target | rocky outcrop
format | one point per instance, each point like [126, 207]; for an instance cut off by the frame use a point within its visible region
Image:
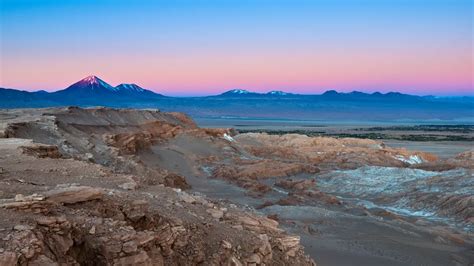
[117, 232]
[74, 194]
[41, 203]
[326, 152]
[185, 120]
[464, 159]
[145, 136]
[248, 173]
[108, 218]
[42, 151]
[110, 137]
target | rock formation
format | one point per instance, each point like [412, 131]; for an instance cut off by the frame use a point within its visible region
[81, 195]
[107, 186]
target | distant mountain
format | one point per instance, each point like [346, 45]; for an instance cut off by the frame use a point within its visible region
[331, 105]
[279, 93]
[93, 87]
[130, 88]
[90, 86]
[86, 92]
[238, 93]
[330, 95]
[135, 90]
[94, 91]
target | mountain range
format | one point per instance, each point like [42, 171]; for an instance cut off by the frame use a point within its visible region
[331, 105]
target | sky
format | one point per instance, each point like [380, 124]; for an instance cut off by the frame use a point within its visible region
[203, 47]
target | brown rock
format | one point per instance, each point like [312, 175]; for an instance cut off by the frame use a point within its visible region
[42, 151]
[29, 206]
[176, 181]
[59, 244]
[144, 238]
[129, 247]
[136, 210]
[247, 220]
[28, 252]
[184, 119]
[265, 249]
[74, 194]
[262, 169]
[46, 220]
[23, 227]
[289, 244]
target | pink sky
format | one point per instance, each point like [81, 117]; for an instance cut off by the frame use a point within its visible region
[206, 74]
[207, 47]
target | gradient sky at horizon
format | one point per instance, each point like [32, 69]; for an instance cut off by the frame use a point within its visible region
[202, 47]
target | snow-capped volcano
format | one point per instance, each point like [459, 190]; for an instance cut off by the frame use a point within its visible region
[94, 87]
[93, 80]
[87, 87]
[93, 83]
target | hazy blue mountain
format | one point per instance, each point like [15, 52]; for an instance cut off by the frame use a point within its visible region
[331, 105]
[135, 91]
[10, 98]
[238, 93]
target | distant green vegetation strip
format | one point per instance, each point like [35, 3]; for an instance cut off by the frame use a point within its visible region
[409, 137]
[431, 128]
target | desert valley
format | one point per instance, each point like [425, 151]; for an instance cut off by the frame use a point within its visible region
[236, 133]
[128, 187]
